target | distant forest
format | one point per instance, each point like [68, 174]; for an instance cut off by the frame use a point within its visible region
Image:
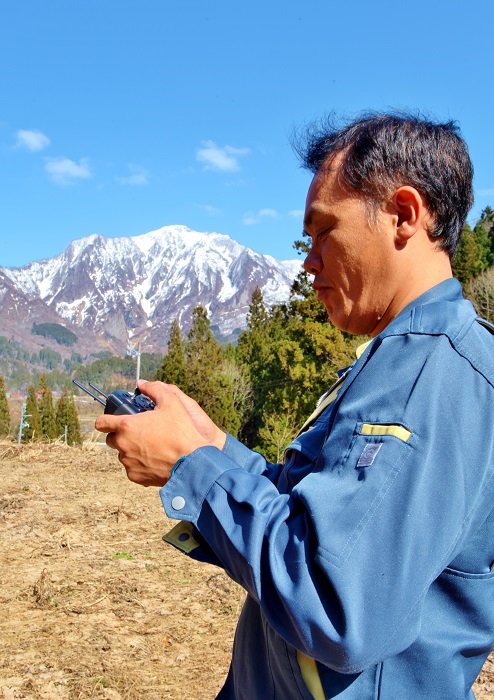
[262, 388]
[59, 333]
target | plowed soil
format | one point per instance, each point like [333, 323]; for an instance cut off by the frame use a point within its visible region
[93, 603]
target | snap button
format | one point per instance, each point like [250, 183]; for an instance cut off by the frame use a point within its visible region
[178, 503]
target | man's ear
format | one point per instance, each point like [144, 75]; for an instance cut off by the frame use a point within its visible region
[410, 212]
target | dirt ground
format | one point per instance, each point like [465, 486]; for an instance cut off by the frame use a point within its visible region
[93, 604]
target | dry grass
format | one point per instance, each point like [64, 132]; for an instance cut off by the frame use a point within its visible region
[93, 604]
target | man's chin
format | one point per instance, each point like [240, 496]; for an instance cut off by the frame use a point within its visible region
[337, 322]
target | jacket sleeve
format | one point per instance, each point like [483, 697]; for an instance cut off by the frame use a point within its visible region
[250, 460]
[341, 550]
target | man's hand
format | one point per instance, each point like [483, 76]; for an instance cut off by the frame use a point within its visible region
[150, 443]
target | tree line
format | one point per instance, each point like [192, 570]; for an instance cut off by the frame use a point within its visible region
[42, 419]
[473, 264]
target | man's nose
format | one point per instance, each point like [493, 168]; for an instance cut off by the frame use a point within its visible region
[312, 263]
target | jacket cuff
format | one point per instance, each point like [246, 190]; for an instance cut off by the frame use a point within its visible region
[183, 495]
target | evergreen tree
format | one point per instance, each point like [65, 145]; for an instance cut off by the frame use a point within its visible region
[203, 357]
[46, 410]
[486, 223]
[292, 355]
[253, 353]
[67, 417]
[276, 433]
[4, 410]
[172, 370]
[62, 414]
[475, 252]
[205, 380]
[32, 431]
[241, 386]
[258, 315]
[481, 235]
[302, 363]
[467, 262]
[223, 411]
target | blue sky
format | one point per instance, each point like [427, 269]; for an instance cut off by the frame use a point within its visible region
[120, 117]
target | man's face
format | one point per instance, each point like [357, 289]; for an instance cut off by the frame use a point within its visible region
[351, 260]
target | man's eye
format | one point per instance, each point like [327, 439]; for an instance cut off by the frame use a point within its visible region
[321, 235]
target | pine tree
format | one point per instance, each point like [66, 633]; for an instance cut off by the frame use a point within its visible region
[32, 431]
[67, 418]
[4, 410]
[172, 370]
[46, 410]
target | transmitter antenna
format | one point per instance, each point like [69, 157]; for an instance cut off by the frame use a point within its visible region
[91, 393]
[100, 391]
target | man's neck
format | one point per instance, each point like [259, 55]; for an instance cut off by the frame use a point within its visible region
[426, 272]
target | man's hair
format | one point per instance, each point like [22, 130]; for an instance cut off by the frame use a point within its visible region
[382, 152]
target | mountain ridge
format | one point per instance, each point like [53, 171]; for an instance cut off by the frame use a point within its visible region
[113, 290]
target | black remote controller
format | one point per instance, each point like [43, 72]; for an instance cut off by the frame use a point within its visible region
[119, 402]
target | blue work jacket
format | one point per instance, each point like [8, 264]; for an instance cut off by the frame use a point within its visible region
[367, 555]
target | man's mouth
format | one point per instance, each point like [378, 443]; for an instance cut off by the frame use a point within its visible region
[320, 289]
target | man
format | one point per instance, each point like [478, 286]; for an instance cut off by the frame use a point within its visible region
[367, 555]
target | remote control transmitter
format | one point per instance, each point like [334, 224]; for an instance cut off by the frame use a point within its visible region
[118, 402]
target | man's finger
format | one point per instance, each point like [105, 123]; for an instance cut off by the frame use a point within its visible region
[156, 391]
[161, 388]
[107, 423]
[110, 441]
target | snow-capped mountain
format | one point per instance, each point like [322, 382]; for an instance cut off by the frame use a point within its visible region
[110, 290]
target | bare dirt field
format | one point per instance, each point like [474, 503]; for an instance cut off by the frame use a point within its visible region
[93, 603]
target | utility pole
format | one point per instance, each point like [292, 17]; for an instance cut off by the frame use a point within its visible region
[23, 424]
[137, 354]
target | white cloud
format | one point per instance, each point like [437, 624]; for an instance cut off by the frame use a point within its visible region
[251, 218]
[296, 213]
[216, 158]
[64, 171]
[33, 140]
[139, 176]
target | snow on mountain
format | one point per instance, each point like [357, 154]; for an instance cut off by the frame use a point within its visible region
[111, 289]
